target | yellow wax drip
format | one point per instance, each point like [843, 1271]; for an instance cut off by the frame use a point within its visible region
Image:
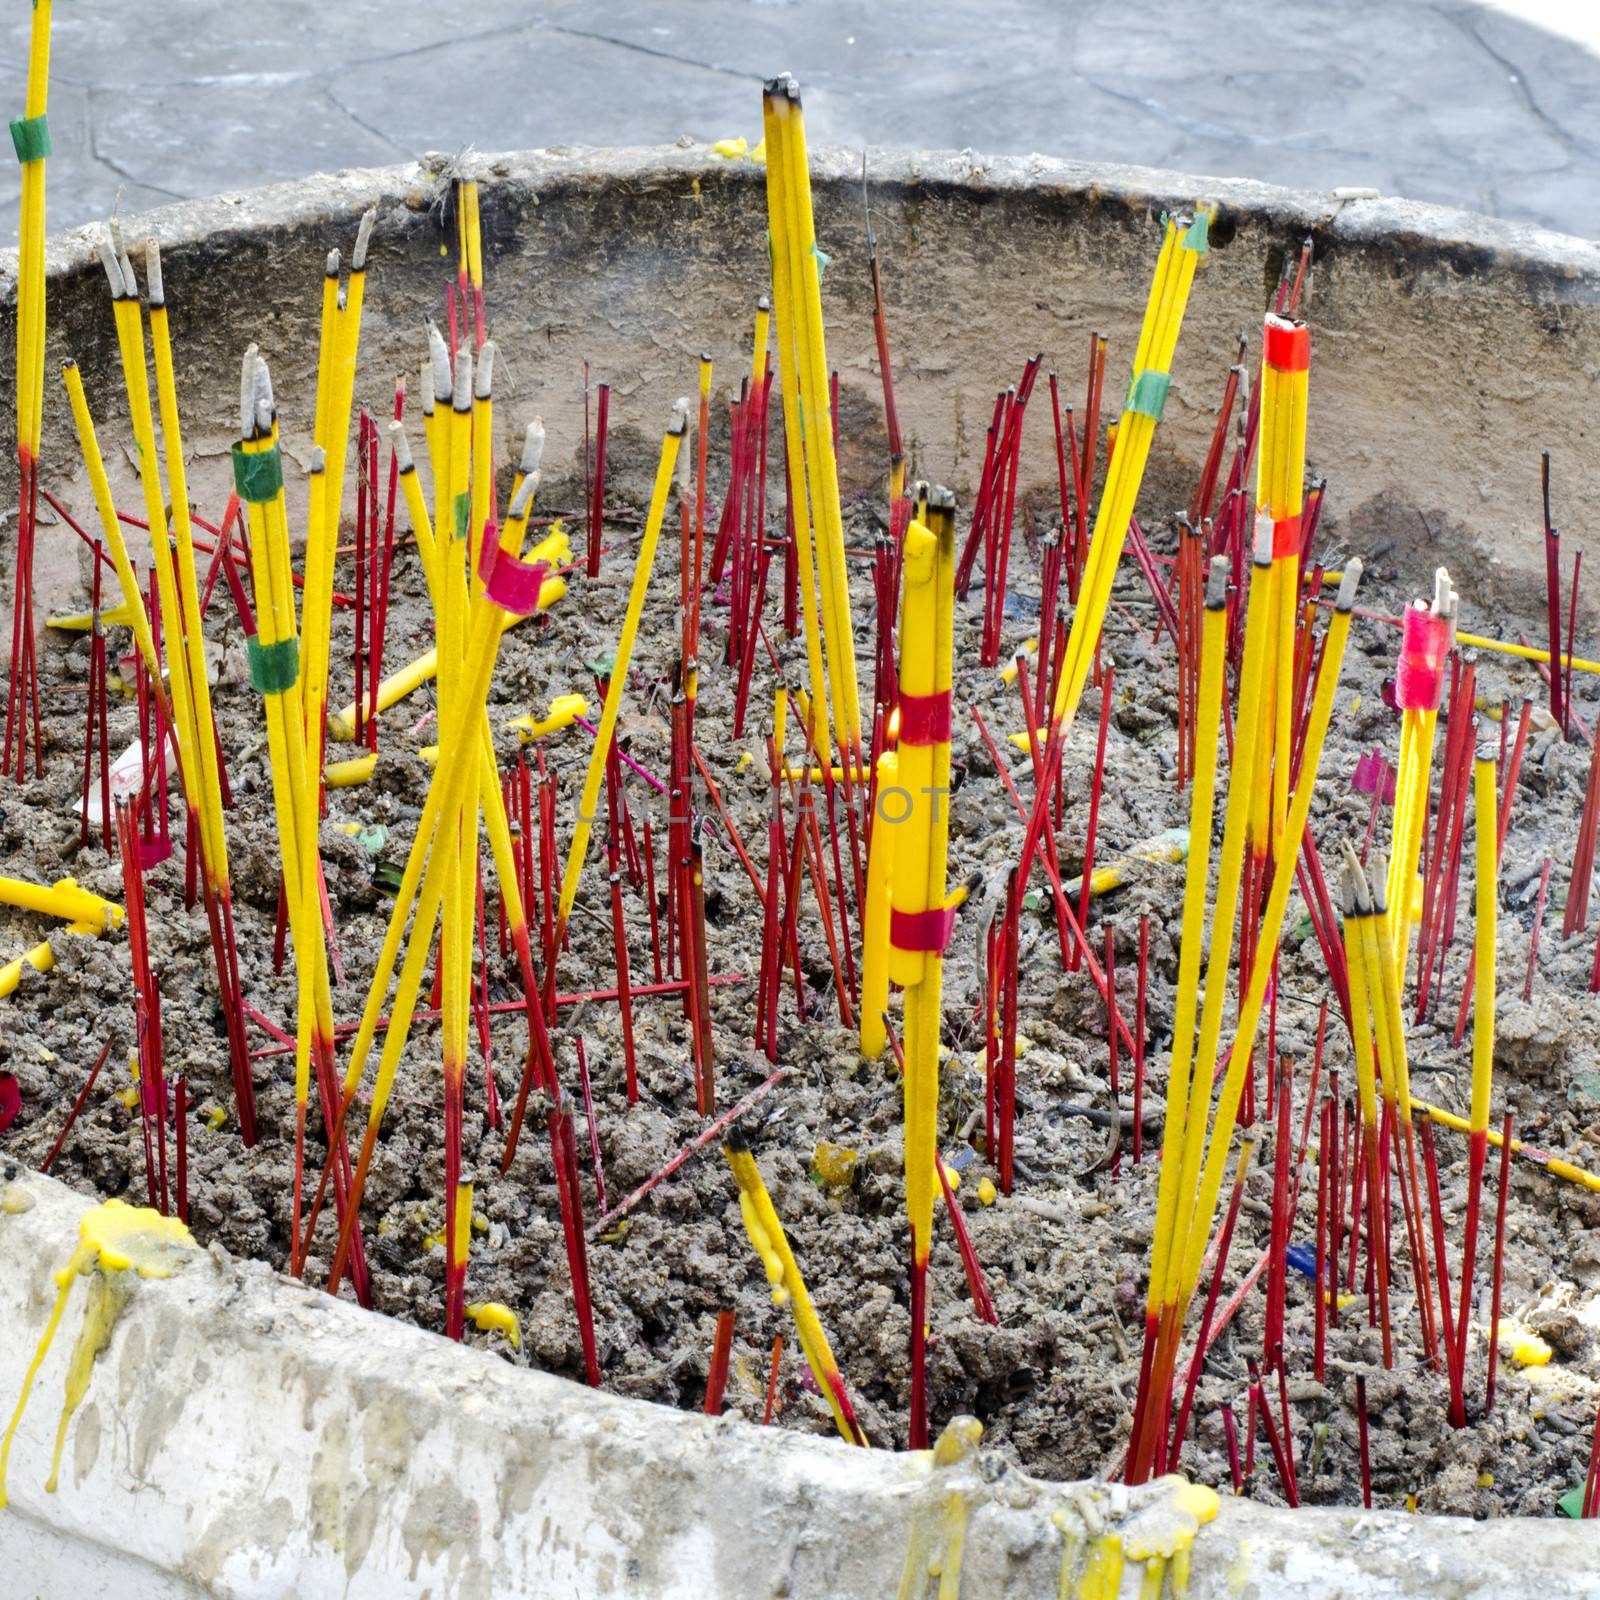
[491, 1316]
[114, 1238]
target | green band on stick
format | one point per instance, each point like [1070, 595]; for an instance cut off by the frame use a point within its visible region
[31, 136]
[257, 475]
[274, 667]
[1147, 394]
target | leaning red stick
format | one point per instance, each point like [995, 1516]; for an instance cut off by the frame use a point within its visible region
[77, 1106]
[1085, 892]
[1538, 923]
[705, 1136]
[976, 1286]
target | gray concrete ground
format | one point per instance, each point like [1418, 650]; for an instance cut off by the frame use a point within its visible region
[1445, 101]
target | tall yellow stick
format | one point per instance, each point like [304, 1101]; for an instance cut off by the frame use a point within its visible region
[919, 924]
[619, 669]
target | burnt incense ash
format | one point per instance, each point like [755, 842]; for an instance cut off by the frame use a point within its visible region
[1132, 1082]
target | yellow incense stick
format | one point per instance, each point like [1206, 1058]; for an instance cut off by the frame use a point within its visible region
[875, 919]
[1202, 803]
[1247, 732]
[918, 922]
[209, 779]
[130, 342]
[1419, 684]
[1270, 927]
[806, 263]
[274, 671]
[784, 294]
[127, 579]
[31, 137]
[1487, 899]
[1182, 247]
[788, 1287]
[419, 856]
[1286, 356]
[442, 818]
[1551, 1164]
[670, 442]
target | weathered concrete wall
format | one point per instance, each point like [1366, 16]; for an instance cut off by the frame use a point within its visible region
[1449, 348]
[243, 1435]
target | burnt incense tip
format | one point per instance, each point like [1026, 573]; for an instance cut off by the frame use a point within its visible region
[1441, 591]
[940, 498]
[247, 392]
[438, 363]
[152, 273]
[358, 256]
[485, 383]
[264, 395]
[319, 461]
[401, 446]
[1379, 879]
[522, 500]
[330, 267]
[1261, 551]
[1356, 880]
[733, 1139]
[461, 389]
[1346, 599]
[679, 423]
[532, 447]
[113, 268]
[763, 304]
[1217, 584]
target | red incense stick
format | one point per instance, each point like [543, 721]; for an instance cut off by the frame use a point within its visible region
[1366, 1449]
[1138, 1036]
[77, 1106]
[181, 1122]
[1502, 1191]
[1538, 923]
[772, 1381]
[717, 1378]
[594, 1135]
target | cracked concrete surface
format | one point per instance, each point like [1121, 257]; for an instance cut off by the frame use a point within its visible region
[1449, 101]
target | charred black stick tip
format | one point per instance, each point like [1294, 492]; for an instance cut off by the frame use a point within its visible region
[734, 1140]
